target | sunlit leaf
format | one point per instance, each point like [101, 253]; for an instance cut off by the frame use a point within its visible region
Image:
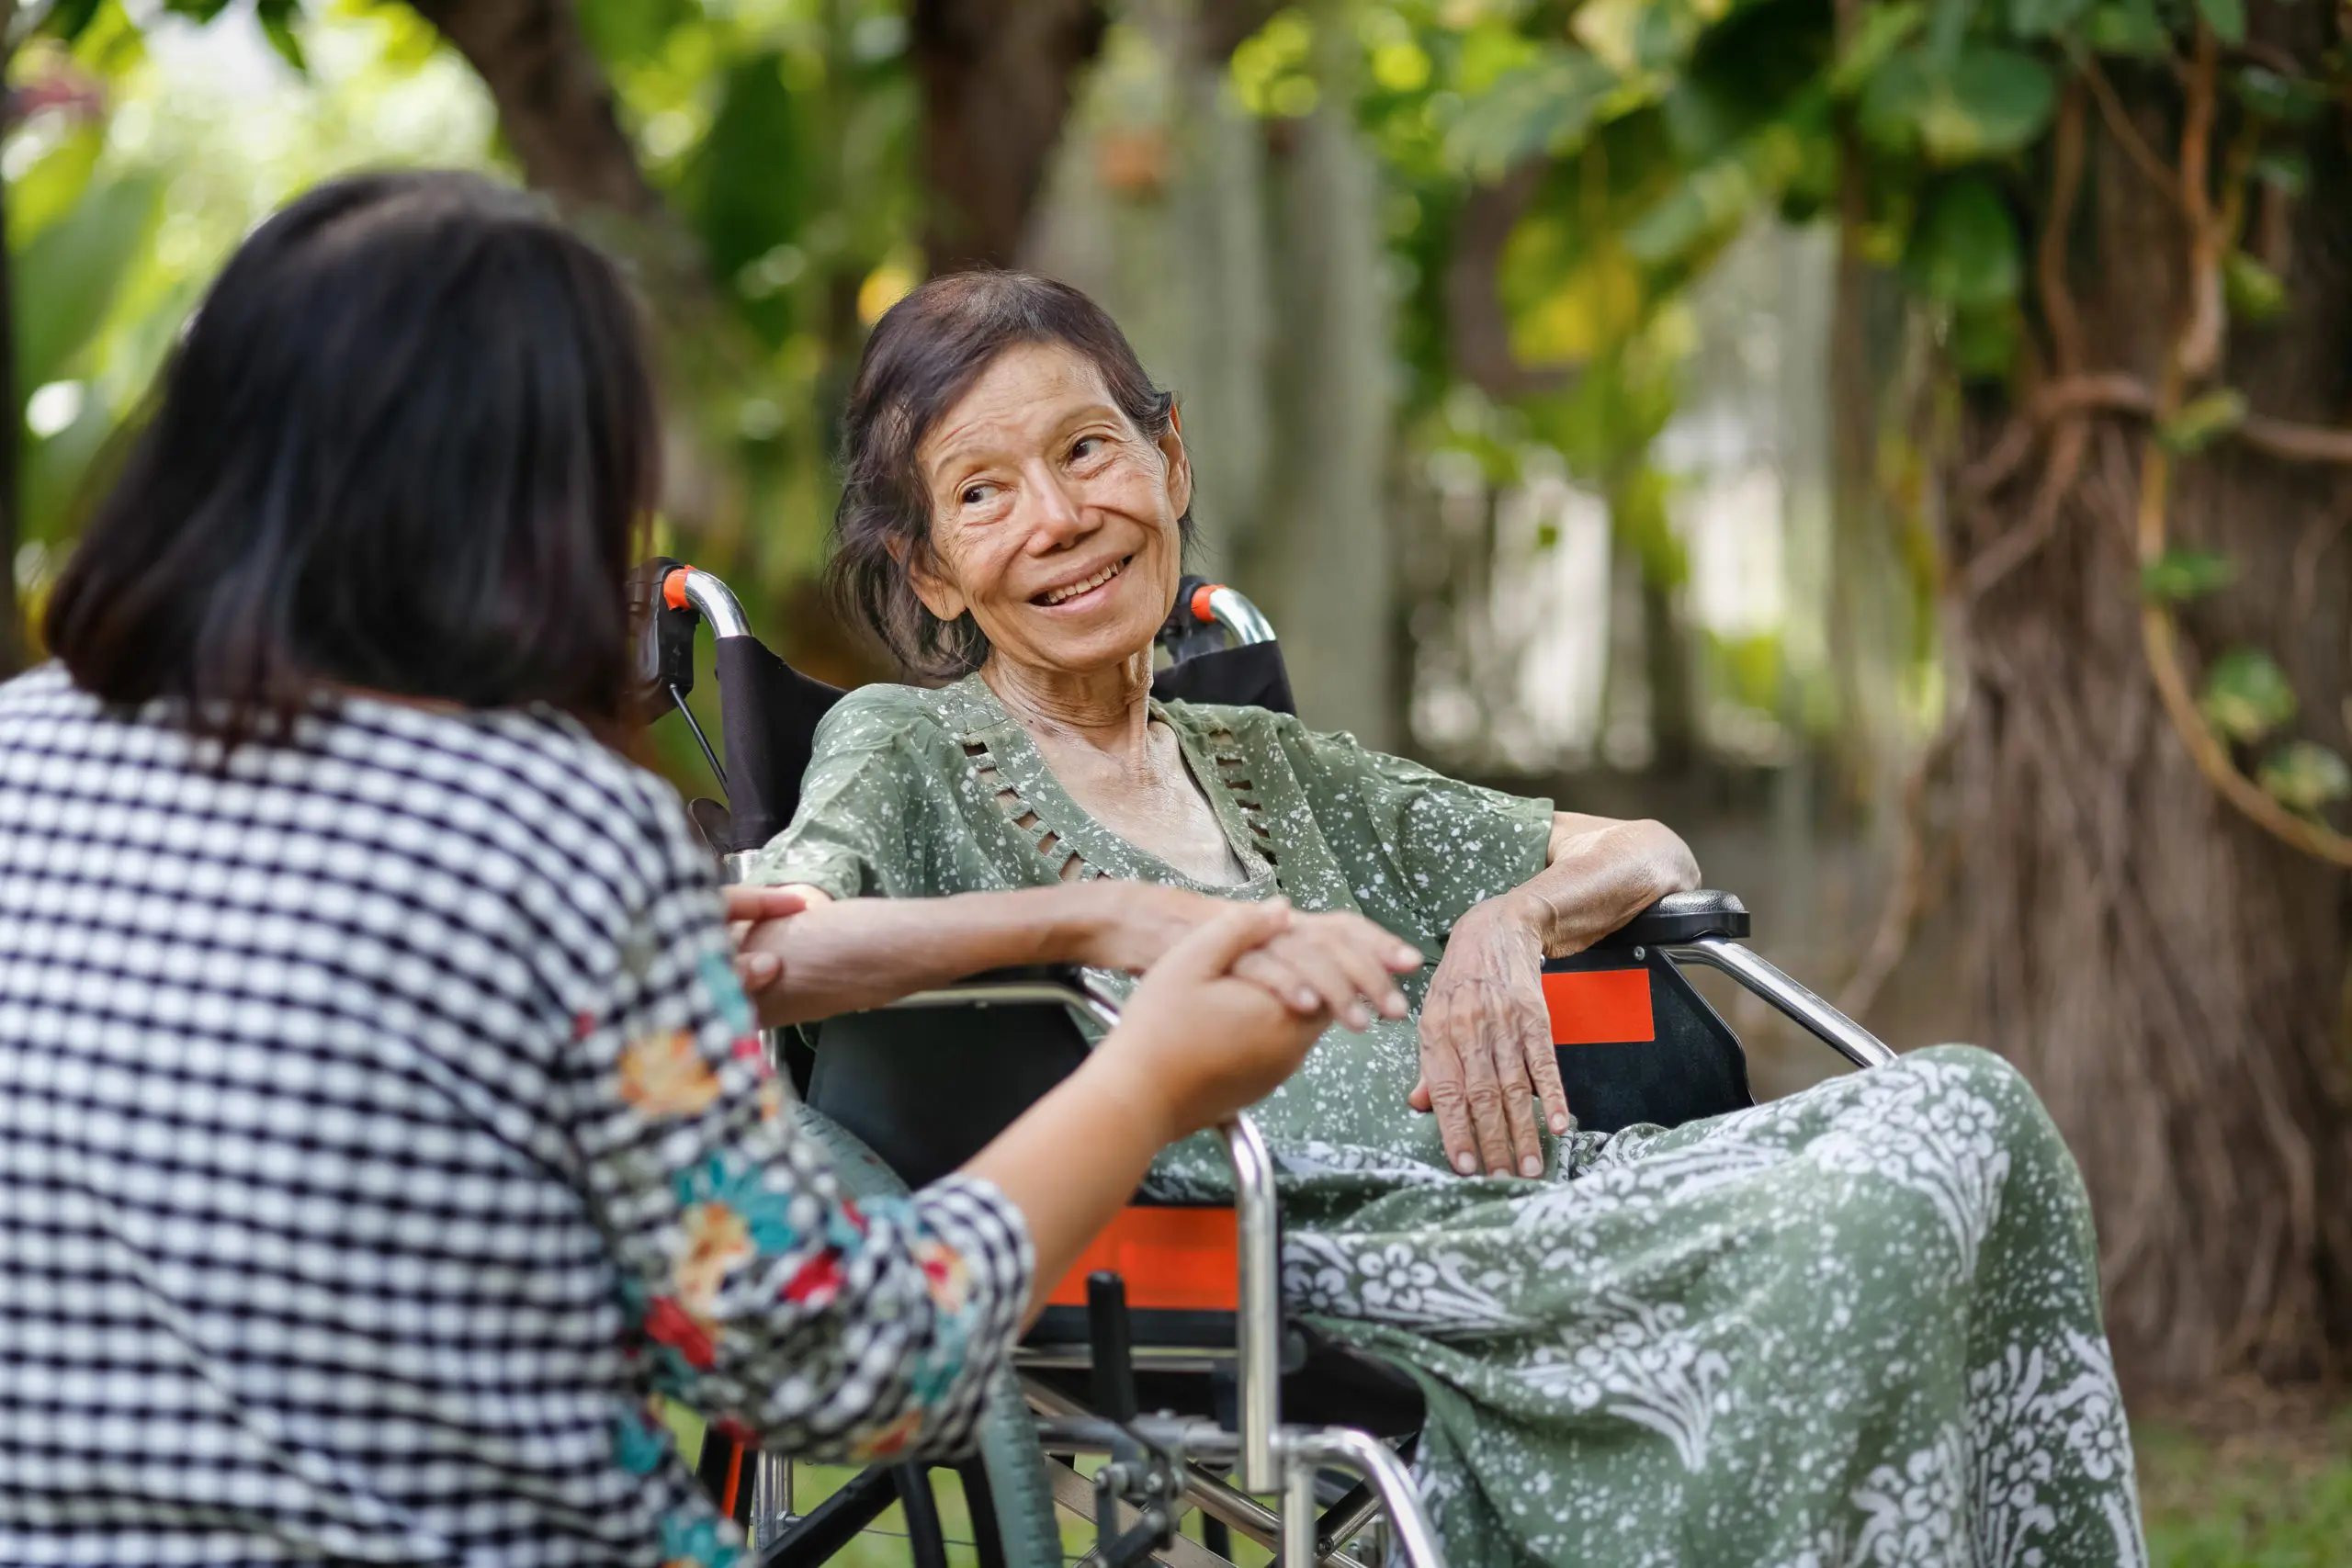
[2226, 17]
[1547, 107]
[1881, 31]
[2203, 419]
[49, 189]
[67, 19]
[2305, 776]
[2246, 696]
[2255, 292]
[277, 18]
[1964, 251]
[2180, 575]
[66, 278]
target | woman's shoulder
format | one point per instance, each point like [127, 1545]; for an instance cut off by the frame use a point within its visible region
[1244, 723]
[885, 716]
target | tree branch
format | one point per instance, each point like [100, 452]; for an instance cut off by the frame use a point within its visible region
[996, 78]
[1479, 328]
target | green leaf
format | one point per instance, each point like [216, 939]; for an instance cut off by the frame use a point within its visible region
[2284, 170]
[1548, 106]
[2246, 696]
[1984, 342]
[1964, 251]
[2039, 19]
[2202, 419]
[66, 278]
[1882, 30]
[2255, 292]
[1988, 103]
[2178, 576]
[2130, 27]
[50, 187]
[2226, 17]
[2288, 100]
[2305, 776]
[68, 19]
[277, 18]
[202, 11]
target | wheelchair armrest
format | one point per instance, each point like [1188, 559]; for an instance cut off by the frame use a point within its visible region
[1682, 917]
[1021, 985]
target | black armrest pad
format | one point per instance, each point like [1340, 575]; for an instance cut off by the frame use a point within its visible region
[1682, 917]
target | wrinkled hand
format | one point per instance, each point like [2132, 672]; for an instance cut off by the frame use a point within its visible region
[1487, 1059]
[747, 906]
[1337, 966]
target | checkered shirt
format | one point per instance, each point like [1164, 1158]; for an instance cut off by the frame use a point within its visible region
[380, 1127]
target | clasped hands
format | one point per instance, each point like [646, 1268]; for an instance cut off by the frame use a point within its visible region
[1487, 1066]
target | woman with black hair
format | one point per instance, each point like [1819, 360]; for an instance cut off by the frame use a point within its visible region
[381, 1123]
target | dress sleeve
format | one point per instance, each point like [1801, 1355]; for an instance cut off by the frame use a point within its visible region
[1449, 844]
[757, 1292]
[872, 815]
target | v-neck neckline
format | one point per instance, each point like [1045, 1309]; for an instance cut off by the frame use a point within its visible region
[1021, 764]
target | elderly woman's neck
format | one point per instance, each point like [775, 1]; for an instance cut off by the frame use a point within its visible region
[1110, 708]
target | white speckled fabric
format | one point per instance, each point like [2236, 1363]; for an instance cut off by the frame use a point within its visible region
[1858, 1325]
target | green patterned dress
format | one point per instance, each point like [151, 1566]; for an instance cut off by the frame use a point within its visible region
[1857, 1325]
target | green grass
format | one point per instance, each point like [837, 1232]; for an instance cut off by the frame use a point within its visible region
[2282, 1499]
[2247, 1501]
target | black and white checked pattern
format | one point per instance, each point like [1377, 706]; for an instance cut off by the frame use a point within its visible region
[324, 1223]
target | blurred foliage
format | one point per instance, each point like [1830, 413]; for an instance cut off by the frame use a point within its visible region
[1646, 134]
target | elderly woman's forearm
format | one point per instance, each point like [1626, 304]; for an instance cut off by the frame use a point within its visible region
[1600, 874]
[861, 952]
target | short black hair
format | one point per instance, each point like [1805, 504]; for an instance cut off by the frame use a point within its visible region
[925, 353]
[406, 444]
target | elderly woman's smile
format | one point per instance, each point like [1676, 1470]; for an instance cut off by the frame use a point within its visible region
[1080, 592]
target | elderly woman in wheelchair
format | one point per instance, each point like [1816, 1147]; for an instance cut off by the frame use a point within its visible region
[1858, 1325]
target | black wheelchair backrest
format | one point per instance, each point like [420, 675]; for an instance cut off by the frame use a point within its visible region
[769, 711]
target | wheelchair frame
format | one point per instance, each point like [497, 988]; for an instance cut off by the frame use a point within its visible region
[1184, 1456]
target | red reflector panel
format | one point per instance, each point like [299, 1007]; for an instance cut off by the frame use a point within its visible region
[1599, 1007]
[1174, 1260]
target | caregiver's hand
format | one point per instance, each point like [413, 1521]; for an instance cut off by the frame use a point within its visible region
[1339, 965]
[747, 906]
[1487, 1060]
[1200, 1041]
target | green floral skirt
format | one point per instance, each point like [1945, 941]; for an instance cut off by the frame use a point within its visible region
[1858, 1325]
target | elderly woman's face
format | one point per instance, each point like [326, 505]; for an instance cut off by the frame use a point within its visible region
[1054, 520]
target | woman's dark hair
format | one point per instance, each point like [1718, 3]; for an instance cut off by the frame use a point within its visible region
[405, 444]
[926, 353]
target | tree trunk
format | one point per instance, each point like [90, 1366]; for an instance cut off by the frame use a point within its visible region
[997, 77]
[2171, 977]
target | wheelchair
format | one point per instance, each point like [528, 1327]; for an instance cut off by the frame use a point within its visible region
[1166, 1351]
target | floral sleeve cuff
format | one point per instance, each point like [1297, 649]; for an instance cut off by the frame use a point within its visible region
[979, 1265]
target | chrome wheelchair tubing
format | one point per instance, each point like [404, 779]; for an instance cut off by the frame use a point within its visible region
[1258, 1326]
[1344, 1447]
[1258, 1323]
[1816, 1016]
[1242, 620]
[718, 603]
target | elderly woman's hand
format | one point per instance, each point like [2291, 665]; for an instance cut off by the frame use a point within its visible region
[1337, 963]
[1487, 1059]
